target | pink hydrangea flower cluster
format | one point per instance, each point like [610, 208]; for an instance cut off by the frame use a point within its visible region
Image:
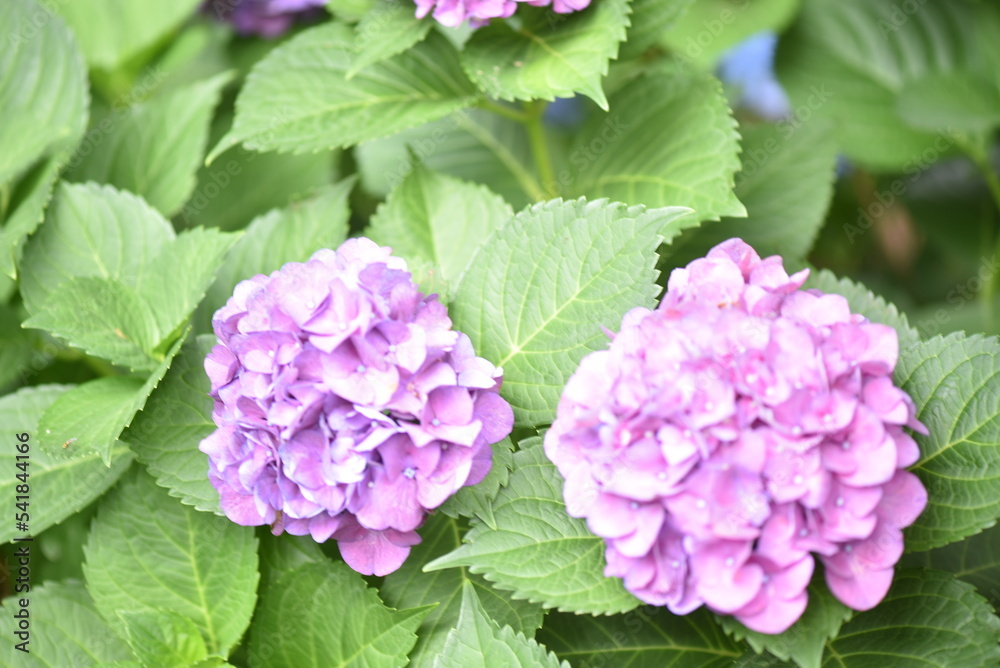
[742, 427]
[346, 406]
[453, 13]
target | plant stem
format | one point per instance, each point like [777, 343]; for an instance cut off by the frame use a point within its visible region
[502, 110]
[540, 147]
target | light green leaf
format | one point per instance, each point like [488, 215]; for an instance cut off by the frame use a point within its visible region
[409, 587]
[651, 21]
[25, 214]
[955, 383]
[291, 234]
[43, 88]
[547, 55]
[928, 618]
[537, 551]
[166, 433]
[477, 500]
[65, 630]
[154, 148]
[806, 639]
[59, 488]
[90, 417]
[710, 27]
[148, 552]
[647, 637]
[315, 603]
[389, 28]
[16, 349]
[849, 61]
[469, 144]
[298, 97]
[958, 101]
[438, 220]
[669, 141]
[786, 184]
[163, 639]
[540, 288]
[110, 31]
[477, 640]
[280, 555]
[60, 548]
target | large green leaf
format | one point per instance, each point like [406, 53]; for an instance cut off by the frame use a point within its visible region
[786, 184]
[163, 639]
[43, 87]
[178, 415]
[154, 148]
[291, 234]
[669, 141]
[955, 383]
[147, 552]
[975, 560]
[651, 20]
[388, 29]
[26, 211]
[470, 144]
[540, 288]
[298, 98]
[59, 488]
[438, 220]
[849, 61]
[410, 587]
[65, 630]
[648, 637]
[477, 500]
[928, 618]
[537, 551]
[323, 614]
[478, 640]
[960, 101]
[110, 31]
[547, 55]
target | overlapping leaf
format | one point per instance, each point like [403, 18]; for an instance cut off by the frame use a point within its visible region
[387, 29]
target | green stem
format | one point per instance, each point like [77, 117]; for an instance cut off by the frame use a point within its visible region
[4, 200]
[502, 110]
[540, 147]
[980, 157]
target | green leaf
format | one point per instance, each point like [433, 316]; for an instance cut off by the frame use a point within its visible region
[958, 101]
[647, 637]
[806, 639]
[669, 141]
[848, 61]
[60, 548]
[110, 31]
[537, 551]
[90, 417]
[438, 220]
[477, 500]
[540, 288]
[16, 349]
[177, 416]
[25, 214]
[710, 27]
[927, 618]
[318, 602]
[59, 488]
[43, 88]
[163, 639]
[65, 630]
[547, 55]
[975, 560]
[470, 144]
[864, 301]
[280, 555]
[786, 185]
[291, 234]
[409, 587]
[651, 20]
[298, 97]
[153, 148]
[148, 552]
[955, 383]
[477, 637]
[389, 28]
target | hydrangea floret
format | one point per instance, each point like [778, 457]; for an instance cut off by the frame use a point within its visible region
[735, 433]
[346, 405]
[453, 13]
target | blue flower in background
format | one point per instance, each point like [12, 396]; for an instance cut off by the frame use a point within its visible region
[566, 112]
[749, 66]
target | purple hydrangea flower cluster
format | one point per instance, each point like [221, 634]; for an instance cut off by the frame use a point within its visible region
[453, 13]
[346, 406]
[728, 436]
[266, 18]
